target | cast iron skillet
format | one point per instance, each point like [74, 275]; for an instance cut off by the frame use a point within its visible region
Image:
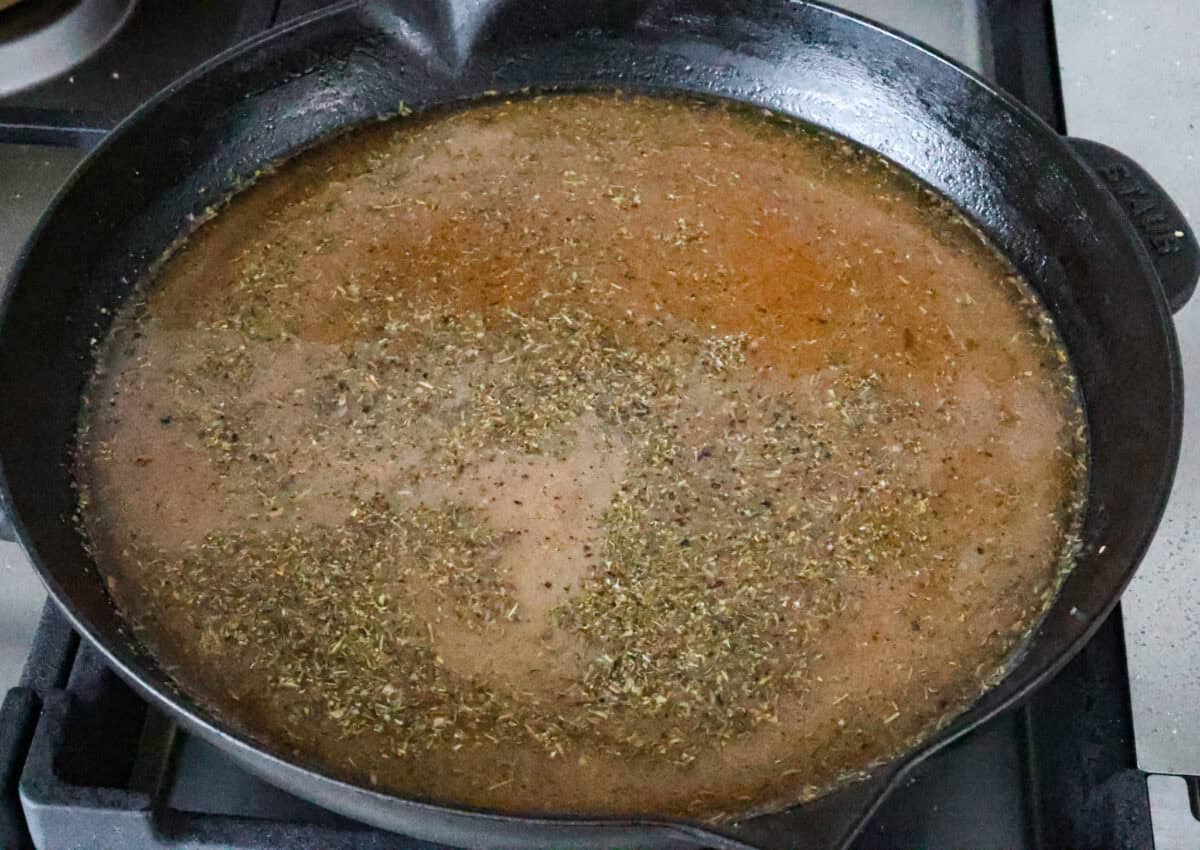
[1106, 250]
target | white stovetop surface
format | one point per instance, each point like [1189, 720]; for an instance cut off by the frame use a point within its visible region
[1131, 78]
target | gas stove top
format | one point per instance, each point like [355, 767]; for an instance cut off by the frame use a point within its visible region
[85, 763]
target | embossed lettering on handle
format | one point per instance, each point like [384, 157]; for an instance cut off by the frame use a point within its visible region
[1164, 231]
[1160, 231]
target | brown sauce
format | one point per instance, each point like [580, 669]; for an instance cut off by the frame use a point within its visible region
[587, 454]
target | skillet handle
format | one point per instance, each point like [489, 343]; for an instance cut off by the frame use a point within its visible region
[1169, 240]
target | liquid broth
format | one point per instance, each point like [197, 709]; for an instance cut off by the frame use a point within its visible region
[584, 453]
